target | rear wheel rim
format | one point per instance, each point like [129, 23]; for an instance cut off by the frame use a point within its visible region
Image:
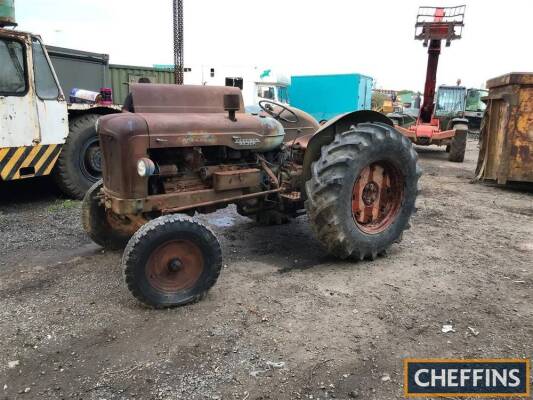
[175, 266]
[377, 196]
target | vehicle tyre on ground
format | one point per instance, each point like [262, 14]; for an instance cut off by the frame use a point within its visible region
[103, 226]
[458, 144]
[171, 261]
[362, 191]
[79, 164]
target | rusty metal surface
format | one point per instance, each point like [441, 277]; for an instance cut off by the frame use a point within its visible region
[305, 123]
[201, 121]
[176, 202]
[124, 140]
[242, 178]
[506, 148]
[164, 98]
[517, 78]
[176, 265]
[212, 129]
[425, 134]
[377, 196]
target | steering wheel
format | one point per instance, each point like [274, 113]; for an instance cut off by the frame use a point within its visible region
[266, 106]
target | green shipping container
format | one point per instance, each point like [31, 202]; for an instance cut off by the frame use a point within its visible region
[123, 75]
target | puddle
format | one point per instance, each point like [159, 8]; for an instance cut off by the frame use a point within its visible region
[222, 222]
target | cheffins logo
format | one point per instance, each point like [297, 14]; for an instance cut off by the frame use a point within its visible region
[467, 378]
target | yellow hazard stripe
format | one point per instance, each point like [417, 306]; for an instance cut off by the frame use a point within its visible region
[51, 164]
[11, 163]
[27, 161]
[43, 159]
[3, 153]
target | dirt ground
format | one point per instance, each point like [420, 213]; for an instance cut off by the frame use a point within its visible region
[285, 320]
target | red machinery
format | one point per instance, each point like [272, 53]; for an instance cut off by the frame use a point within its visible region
[433, 25]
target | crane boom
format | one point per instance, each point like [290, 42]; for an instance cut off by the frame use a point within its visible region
[433, 25]
[178, 41]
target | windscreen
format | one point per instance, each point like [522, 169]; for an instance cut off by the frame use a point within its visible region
[473, 100]
[45, 84]
[12, 68]
[450, 100]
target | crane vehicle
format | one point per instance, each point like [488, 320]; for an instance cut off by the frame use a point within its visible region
[434, 125]
[40, 133]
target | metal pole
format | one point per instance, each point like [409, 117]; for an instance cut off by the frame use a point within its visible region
[178, 41]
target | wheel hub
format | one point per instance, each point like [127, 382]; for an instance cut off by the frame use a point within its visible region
[90, 160]
[174, 266]
[370, 193]
[93, 158]
[377, 196]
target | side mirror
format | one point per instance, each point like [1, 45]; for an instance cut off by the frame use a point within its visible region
[232, 103]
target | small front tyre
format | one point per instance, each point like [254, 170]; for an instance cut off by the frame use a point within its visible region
[171, 261]
[102, 225]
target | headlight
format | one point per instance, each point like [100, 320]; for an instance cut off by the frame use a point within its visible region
[145, 167]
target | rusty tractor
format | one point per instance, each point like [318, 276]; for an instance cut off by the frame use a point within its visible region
[181, 150]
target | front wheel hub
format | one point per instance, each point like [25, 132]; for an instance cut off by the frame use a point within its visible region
[175, 265]
[377, 196]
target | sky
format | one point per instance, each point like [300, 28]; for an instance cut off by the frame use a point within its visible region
[295, 37]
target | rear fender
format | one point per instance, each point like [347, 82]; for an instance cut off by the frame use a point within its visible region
[326, 134]
[460, 124]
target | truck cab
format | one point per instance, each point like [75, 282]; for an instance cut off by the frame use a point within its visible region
[33, 110]
[475, 108]
[255, 83]
[450, 100]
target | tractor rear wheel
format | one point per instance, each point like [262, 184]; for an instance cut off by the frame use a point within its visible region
[362, 191]
[458, 144]
[171, 261]
[102, 225]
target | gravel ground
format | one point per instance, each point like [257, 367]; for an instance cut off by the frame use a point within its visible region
[285, 320]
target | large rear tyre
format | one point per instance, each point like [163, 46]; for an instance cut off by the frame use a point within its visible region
[362, 191]
[171, 261]
[79, 164]
[458, 144]
[103, 226]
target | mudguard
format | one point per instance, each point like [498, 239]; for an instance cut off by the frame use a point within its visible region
[326, 134]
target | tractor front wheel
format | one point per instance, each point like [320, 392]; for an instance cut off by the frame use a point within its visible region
[171, 261]
[363, 190]
[104, 227]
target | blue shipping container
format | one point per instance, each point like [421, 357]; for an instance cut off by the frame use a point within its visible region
[326, 96]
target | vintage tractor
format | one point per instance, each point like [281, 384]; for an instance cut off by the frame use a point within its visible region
[433, 25]
[182, 150]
